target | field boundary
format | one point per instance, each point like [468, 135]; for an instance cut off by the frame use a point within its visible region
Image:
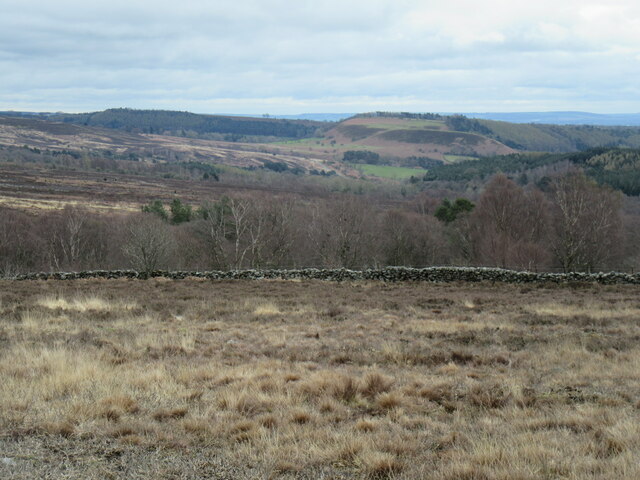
[388, 274]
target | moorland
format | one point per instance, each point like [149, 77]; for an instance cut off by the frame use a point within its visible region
[309, 379]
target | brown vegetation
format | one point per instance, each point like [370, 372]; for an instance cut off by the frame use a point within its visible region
[60, 136]
[233, 379]
[576, 226]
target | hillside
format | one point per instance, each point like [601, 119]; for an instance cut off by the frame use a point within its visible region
[392, 135]
[164, 122]
[561, 138]
[394, 146]
[46, 165]
[114, 143]
[449, 139]
[616, 167]
[562, 118]
[548, 138]
[402, 137]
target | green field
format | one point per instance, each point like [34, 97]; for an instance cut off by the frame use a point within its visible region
[386, 171]
[458, 158]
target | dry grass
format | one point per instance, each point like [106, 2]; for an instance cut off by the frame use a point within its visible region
[266, 309]
[45, 205]
[149, 379]
[590, 308]
[83, 303]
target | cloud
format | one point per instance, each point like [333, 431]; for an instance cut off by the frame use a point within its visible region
[287, 56]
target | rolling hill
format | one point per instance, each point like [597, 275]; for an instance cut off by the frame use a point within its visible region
[405, 143]
[560, 138]
[454, 138]
[109, 142]
[401, 137]
[165, 122]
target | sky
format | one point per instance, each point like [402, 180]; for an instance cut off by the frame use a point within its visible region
[298, 56]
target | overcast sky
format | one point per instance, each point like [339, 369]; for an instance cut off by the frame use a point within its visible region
[294, 56]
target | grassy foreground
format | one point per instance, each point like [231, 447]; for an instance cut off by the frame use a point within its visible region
[105, 379]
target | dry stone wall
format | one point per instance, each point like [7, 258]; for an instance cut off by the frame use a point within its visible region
[388, 274]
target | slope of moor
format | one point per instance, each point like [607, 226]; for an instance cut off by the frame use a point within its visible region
[44, 134]
[401, 138]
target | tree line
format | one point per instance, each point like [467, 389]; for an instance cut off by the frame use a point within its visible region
[618, 168]
[574, 225]
[179, 123]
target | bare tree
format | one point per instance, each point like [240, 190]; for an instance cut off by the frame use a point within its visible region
[240, 217]
[149, 243]
[67, 237]
[217, 231]
[397, 238]
[271, 231]
[408, 238]
[233, 231]
[509, 225]
[631, 222]
[587, 223]
[340, 232]
[20, 245]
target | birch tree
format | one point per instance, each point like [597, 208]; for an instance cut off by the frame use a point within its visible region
[587, 223]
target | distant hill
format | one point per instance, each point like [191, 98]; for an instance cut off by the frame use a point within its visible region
[560, 138]
[317, 117]
[392, 135]
[562, 118]
[401, 136]
[165, 122]
[40, 135]
[449, 149]
[449, 139]
[320, 117]
[547, 138]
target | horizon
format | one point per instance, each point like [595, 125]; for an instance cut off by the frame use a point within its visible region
[269, 114]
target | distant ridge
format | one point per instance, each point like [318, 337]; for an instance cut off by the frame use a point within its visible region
[390, 134]
[169, 122]
[563, 118]
[549, 118]
[318, 117]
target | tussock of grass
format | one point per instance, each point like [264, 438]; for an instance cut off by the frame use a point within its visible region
[85, 304]
[366, 426]
[590, 309]
[169, 414]
[267, 309]
[301, 416]
[388, 401]
[375, 383]
[379, 465]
